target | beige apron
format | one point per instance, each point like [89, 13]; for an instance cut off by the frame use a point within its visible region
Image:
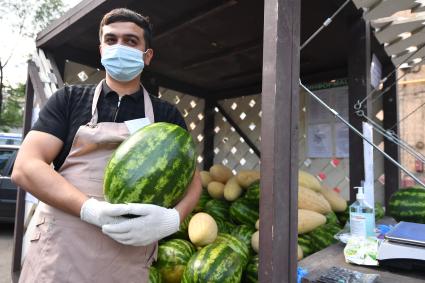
[67, 249]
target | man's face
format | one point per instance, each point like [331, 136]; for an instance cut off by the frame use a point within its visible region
[128, 34]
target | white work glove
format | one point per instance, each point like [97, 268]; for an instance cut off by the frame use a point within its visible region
[101, 212]
[154, 223]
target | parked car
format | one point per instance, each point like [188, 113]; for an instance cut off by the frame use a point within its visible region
[8, 190]
[10, 138]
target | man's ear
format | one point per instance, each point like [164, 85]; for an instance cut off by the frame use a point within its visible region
[148, 56]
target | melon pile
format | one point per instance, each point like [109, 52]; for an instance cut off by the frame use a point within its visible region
[219, 241]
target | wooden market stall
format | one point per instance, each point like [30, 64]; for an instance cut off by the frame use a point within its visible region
[223, 52]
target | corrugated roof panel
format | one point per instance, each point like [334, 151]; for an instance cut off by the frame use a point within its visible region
[365, 3]
[415, 39]
[408, 57]
[419, 9]
[392, 31]
[387, 8]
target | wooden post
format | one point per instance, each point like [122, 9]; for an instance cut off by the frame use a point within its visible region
[392, 173]
[279, 142]
[20, 201]
[359, 59]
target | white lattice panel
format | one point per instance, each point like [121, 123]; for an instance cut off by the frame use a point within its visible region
[192, 109]
[230, 148]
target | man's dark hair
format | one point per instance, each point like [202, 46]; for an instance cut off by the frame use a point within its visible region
[126, 15]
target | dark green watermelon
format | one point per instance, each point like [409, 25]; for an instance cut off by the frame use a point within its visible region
[218, 209]
[379, 211]
[203, 199]
[408, 205]
[154, 275]
[323, 236]
[250, 274]
[253, 191]
[215, 263]
[305, 243]
[154, 165]
[244, 211]
[237, 245]
[173, 256]
[332, 218]
[243, 233]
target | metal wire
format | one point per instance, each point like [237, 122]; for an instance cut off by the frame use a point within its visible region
[410, 114]
[324, 25]
[359, 104]
[336, 114]
[391, 136]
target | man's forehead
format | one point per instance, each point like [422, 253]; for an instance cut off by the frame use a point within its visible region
[121, 28]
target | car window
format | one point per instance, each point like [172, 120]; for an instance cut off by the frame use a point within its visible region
[5, 155]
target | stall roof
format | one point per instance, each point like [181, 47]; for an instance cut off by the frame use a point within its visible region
[399, 26]
[204, 47]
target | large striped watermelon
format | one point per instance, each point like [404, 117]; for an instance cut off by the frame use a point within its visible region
[154, 165]
[215, 263]
[154, 276]
[244, 211]
[304, 241]
[243, 233]
[173, 256]
[253, 191]
[218, 209]
[251, 271]
[323, 236]
[408, 205]
[237, 245]
[203, 199]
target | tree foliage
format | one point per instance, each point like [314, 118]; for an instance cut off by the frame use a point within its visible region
[13, 107]
[25, 18]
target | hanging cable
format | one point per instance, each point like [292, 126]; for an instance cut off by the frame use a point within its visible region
[324, 25]
[359, 104]
[410, 114]
[336, 114]
[391, 136]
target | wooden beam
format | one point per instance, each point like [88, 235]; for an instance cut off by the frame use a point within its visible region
[20, 201]
[238, 129]
[192, 18]
[209, 123]
[279, 143]
[247, 46]
[359, 60]
[37, 84]
[55, 68]
[392, 172]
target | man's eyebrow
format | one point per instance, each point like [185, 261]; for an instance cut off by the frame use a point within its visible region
[131, 35]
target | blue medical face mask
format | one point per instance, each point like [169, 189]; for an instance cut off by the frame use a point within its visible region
[122, 63]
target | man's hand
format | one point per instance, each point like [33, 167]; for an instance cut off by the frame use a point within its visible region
[101, 212]
[154, 223]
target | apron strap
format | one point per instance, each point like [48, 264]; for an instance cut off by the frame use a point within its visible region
[147, 103]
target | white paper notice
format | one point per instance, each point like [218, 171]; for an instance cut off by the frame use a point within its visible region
[320, 141]
[341, 101]
[368, 165]
[317, 112]
[136, 124]
[342, 141]
[375, 72]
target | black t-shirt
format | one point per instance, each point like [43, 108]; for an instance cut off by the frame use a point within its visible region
[70, 107]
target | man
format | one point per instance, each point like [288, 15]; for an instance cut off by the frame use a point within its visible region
[78, 236]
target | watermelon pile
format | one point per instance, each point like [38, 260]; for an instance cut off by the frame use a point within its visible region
[154, 165]
[225, 227]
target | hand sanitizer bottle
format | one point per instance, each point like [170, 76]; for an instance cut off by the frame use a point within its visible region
[362, 218]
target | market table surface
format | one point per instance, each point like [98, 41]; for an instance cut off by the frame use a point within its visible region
[333, 255]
